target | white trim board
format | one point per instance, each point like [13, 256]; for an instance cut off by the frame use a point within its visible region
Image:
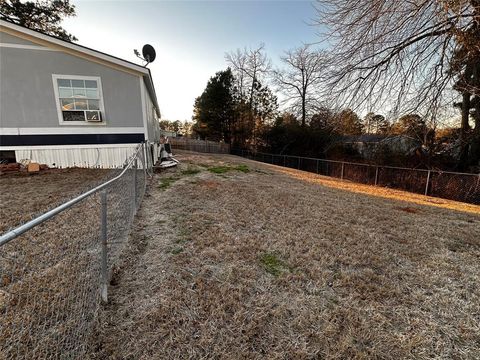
[64, 147]
[144, 108]
[25, 47]
[64, 130]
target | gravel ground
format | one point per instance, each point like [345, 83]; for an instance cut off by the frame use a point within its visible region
[235, 259]
[25, 195]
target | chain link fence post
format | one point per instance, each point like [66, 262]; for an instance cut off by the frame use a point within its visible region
[343, 168]
[103, 236]
[87, 235]
[376, 175]
[144, 164]
[428, 182]
[317, 165]
[135, 167]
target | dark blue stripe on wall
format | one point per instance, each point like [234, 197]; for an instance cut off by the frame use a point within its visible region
[70, 139]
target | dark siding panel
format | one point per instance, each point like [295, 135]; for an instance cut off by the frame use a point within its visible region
[73, 139]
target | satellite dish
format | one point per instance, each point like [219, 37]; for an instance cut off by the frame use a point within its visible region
[148, 53]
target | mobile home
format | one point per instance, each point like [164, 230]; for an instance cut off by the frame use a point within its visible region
[66, 105]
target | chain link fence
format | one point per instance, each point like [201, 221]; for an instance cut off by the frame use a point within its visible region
[463, 187]
[54, 270]
[204, 146]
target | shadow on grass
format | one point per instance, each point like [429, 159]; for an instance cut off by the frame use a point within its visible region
[382, 192]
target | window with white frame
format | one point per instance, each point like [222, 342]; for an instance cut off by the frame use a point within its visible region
[79, 100]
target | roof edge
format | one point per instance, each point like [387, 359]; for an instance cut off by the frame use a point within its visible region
[72, 46]
[140, 70]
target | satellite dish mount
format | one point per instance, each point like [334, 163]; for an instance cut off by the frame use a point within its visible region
[148, 54]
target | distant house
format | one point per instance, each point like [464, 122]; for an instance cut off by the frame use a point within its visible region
[68, 105]
[368, 144]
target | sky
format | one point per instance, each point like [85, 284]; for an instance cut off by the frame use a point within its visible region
[190, 38]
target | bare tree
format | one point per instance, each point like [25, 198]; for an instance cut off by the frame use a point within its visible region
[238, 63]
[299, 79]
[249, 67]
[408, 56]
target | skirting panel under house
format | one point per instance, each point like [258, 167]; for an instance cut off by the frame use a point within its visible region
[71, 156]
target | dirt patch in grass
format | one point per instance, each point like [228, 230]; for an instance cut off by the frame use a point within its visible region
[276, 265]
[408, 209]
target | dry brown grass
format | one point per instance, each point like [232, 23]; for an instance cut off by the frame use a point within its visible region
[25, 195]
[284, 265]
[379, 191]
[49, 276]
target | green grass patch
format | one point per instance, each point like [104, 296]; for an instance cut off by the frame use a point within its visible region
[222, 169]
[273, 264]
[166, 182]
[219, 169]
[190, 171]
[243, 168]
[177, 250]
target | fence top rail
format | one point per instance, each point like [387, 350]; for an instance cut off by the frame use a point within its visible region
[12, 234]
[363, 164]
[454, 173]
[317, 159]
